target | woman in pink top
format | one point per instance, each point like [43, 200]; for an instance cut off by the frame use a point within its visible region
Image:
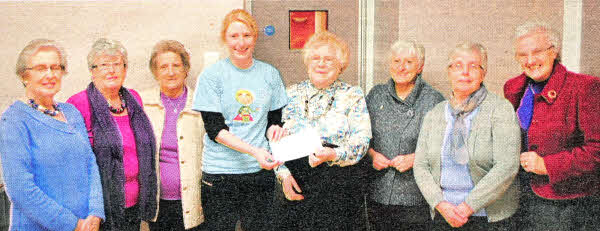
[122, 138]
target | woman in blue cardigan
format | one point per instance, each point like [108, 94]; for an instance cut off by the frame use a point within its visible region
[50, 170]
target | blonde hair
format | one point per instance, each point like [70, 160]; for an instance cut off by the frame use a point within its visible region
[239, 15]
[243, 92]
[327, 38]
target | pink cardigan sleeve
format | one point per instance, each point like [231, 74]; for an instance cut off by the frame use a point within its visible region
[80, 101]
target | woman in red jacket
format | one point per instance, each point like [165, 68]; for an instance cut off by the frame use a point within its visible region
[558, 112]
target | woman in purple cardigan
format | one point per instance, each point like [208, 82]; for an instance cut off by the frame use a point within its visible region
[122, 138]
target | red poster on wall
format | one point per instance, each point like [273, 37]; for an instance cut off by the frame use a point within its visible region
[303, 24]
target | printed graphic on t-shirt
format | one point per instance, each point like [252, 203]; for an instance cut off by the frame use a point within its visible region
[246, 98]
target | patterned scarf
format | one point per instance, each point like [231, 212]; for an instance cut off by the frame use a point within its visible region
[459, 133]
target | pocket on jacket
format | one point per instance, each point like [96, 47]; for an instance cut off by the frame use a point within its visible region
[210, 180]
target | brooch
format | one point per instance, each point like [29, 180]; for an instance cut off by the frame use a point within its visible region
[552, 94]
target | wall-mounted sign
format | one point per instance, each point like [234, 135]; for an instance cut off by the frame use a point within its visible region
[303, 24]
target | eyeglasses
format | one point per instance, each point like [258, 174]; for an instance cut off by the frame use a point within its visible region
[536, 54]
[456, 67]
[327, 60]
[107, 66]
[43, 68]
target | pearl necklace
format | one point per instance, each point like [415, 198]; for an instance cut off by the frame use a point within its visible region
[43, 109]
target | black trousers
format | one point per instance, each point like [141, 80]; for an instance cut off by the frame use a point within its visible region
[170, 217]
[398, 217]
[131, 222]
[542, 214]
[4, 211]
[475, 224]
[227, 198]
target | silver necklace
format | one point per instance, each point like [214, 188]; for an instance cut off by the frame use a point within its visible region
[170, 102]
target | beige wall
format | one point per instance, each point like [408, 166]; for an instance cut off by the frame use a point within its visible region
[440, 25]
[137, 24]
[386, 32]
[590, 44]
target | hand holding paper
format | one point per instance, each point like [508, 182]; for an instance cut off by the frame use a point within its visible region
[296, 146]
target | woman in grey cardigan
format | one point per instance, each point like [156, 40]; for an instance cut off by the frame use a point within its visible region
[397, 109]
[466, 169]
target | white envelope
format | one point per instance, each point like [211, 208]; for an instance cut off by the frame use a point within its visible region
[296, 146]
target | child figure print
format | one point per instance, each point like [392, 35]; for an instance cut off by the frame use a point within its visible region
[246, 98]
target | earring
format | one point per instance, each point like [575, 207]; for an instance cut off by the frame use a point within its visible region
[25, 83]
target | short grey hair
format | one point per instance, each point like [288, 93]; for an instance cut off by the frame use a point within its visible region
[410, 46]
[542, 27]
[470, 47]
[32, 48]
[106, 47]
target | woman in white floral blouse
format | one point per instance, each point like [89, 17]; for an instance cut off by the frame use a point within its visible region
[321, 190]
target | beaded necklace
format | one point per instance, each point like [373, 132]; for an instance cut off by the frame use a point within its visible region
[43, 109]
[118, 110]
[329, 105]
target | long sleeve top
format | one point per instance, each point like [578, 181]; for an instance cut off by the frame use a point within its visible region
[50, 170]
[338, 112]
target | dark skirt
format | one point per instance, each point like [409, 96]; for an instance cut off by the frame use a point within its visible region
[333, 198]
